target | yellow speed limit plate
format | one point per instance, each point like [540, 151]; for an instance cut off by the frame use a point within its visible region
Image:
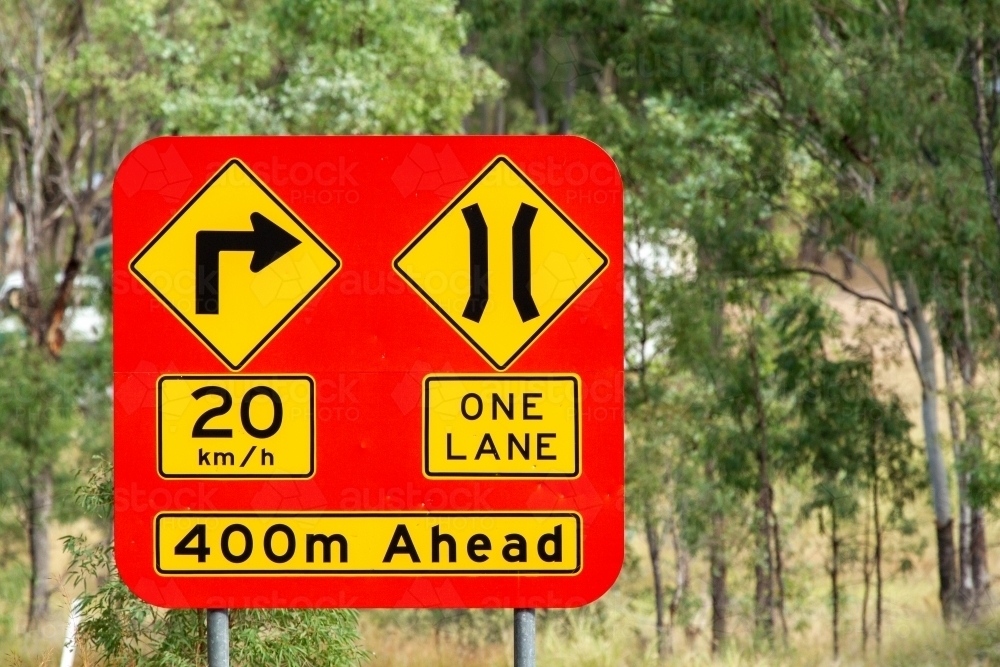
[225, 426]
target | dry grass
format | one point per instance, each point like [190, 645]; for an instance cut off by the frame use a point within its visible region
[924, 642]
[619, 629]
[401, 647]
[615, 642]
[42, 647]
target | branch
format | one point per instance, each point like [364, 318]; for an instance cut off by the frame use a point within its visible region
[867, 269]
[844, 286]
[54, 337]
[903, 317]
[764, 18]
[980, 124]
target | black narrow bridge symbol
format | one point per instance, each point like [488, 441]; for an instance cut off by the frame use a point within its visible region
[268, 242]
[479, 284]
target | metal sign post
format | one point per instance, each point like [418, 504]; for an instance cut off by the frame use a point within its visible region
[524, 638]
[218, 638]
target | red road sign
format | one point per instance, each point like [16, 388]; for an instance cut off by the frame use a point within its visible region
[368, 371]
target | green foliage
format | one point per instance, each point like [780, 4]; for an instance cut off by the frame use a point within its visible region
[37, 405]
[844, 428]
[755, 140]
[313, 67]
[51, 413]
[218, 66]
[140, 67]
[126, 631]
[397, 67]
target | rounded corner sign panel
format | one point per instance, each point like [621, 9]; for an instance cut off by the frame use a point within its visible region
[368, 372]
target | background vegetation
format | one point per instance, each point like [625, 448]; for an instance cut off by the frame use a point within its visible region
[813, 310]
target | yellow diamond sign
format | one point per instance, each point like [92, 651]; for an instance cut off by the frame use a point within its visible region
[501, 262]
[235, 264]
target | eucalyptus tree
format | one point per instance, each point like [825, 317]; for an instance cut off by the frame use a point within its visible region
[847, 433]
[700, 210]
[875, 95]
[548, 51]
[970, 306]
[125, 631]
[71, 98]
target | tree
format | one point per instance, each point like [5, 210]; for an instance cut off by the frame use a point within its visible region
[123, 630]
[684, 270]
[39, 412]
[762, 143]
[850, 87]
[846, 434]
[66, 110]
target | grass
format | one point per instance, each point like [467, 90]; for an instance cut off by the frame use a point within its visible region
[581, 639]
[924, 642]
[619, 629]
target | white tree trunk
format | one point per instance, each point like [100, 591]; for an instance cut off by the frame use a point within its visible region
[937, 471]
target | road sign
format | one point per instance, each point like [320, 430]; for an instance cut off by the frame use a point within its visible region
[238, 302]
[521, 248]
[368, 372]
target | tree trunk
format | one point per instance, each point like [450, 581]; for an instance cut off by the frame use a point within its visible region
[966, 591]
[982, 124]
[937, 471]
[502, 116]
[779, 575]
[866, 582]
[946, 568]
[488, 115]
[681, 576]
[606, 82]
[877, 519]
[834, 583]
[570, 93]
[763, 564]
[39, 510]
[978, 557]
[653, 541]
[764, 591]
[717, 579]
[539, 73]
[878, 567]
[717, 540]
[980, 561]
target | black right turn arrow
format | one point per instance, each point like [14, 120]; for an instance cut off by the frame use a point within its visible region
[268, 242]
